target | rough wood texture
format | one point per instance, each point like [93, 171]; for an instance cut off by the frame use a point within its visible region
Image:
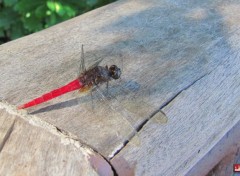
[30, 149]
[221, 157]
[180, 73]
[206, 112]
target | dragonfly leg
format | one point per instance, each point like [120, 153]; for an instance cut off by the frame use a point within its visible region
[107, 86]
[122, 63]
[95, 86]
[92, 99]
[108, 93]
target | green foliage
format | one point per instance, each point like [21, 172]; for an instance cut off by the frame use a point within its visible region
[22, 17]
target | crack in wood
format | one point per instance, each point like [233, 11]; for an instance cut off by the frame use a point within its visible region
[66, 137]
[188, 86]
[139, 128]
[73, 139]
[167, 103]
[7, 136]
[185, 88]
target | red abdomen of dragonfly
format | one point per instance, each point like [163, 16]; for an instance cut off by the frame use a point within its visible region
[74, 85]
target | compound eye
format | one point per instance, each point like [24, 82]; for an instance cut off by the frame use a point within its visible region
[115, 72]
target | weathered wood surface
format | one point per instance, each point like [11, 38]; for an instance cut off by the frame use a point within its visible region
[222, 156]
[181, 62]
[206, 111]
[39, 149]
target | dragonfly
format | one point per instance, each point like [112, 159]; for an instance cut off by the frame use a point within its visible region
[86, 80]
[90, 79]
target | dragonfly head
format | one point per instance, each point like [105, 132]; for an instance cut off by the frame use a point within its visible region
[114, 72]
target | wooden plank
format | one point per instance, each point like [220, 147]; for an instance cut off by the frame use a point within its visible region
[33, 150]
[6, 126]
[165, 47]
[198, 118]
[220, 159]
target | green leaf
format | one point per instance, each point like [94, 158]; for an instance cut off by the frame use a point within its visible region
[17, 30]
[92, 2]
[51, 5]
[25, 6]
[66, 12]
[71, 12]
[20, 17]
[7, 17]
[75, 3]
[32, 23]
[59, 9]
[1, 32]
[63, 10]
[51, 20]
[41, 11]
[9, 2]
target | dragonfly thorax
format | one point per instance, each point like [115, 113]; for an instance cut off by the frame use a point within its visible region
[99, 75]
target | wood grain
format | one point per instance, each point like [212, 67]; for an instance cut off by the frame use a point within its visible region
[6, 127]
[220, 159]
[166, 47]
[32, 150]
[198, 118]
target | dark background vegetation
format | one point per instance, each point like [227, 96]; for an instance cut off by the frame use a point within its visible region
[23, 17]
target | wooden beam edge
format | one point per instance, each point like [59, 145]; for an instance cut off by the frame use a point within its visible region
[97, 161]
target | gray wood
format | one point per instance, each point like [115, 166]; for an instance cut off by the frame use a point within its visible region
[166, 47]
[220, 159]
[34, 150]
[6, 126]
[199, 117]
[163, 47]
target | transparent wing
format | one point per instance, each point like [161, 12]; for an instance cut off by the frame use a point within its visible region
[82, 67]
[96, 63]
[115, 106]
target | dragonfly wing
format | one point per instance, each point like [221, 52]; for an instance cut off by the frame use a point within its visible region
[96, 63]
[82, 67]
[126, 115]
[115, 106]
